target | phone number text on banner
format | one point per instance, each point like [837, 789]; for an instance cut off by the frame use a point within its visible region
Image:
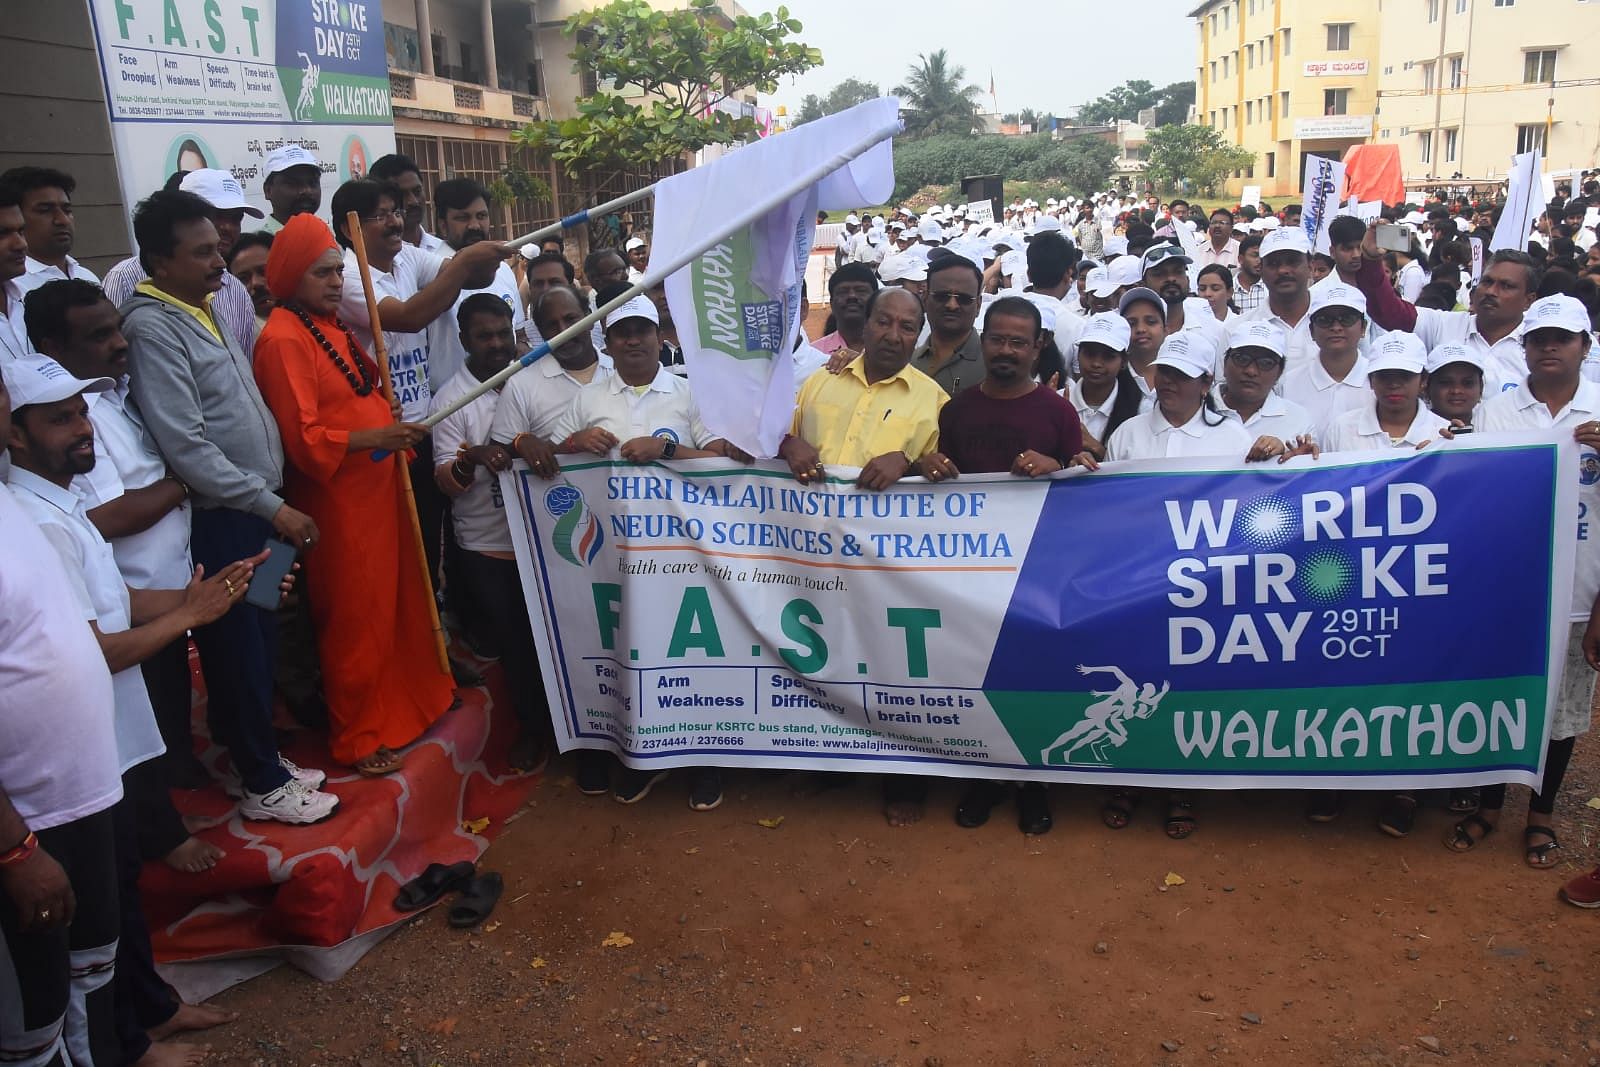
[1366, 621]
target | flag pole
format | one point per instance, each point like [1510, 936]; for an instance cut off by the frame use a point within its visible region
[658, 274]
[380, 352]
[579, 218]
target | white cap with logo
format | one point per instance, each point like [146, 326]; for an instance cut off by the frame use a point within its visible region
[1337, 295]
[1285, 239]
[1557, 312]
[640, 307]
[290, 155]
[1453, 352]
[1107, 329]
[219, 189]
[39, 380]
[1399, 351]
[1189, 352]
[1259, 333]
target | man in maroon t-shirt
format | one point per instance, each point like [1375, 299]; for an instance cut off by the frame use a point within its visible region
[1007, 422]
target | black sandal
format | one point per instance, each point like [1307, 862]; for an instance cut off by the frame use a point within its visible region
[476, 901]
[1180, 824]
[433, 883]
[1117, 810]
[1536, 854]
[1461, 839]
[1463, 801]
[1399, 815]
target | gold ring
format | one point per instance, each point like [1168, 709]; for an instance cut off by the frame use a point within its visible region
[229, 583]
[44, 913]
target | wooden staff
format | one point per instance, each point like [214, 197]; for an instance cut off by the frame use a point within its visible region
[352, 223]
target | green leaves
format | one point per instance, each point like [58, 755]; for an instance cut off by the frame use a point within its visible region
[1171, 103]
[682, 64]
[934, 98]
[1195, 153]
[1079, 166]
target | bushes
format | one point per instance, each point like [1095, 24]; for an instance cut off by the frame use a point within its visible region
[1081, 166]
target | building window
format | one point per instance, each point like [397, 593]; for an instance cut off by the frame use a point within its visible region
[1285, 97]
[1252, 7]
[1458, 79]
[1249, 112]
[1213, 25]
[1250, 56]
[1530, 138]
[1335, 101]
[1433, 10]
[1224, 18]
[1505, 3]
[1272, 164]
[1425, 146]
[1213, 72]
[1250, 171]
[1427, 77]
[1224, 66]
[1285, 42]
[1338, 36]
[1539, 66]
[1450, 139]
[1461, 7]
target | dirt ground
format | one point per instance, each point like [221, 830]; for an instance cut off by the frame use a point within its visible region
[830, 938]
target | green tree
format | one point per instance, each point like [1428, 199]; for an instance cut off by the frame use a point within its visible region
[1196, 154]
[1171, 103]
[935, 98]
[1174, 101]
[1079, 166]
[842, 97]
[686, 62]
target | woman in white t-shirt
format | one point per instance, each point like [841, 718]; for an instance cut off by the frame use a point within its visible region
[1104, 394]
[1182, 422]
[1215, 286]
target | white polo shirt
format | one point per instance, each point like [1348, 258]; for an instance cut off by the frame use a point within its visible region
[125, 458]
[14, 343]
[1505, 364]
[536, 399]
[40, 273]
[479, 514]
[1313, 388]
[408, 352]
[102, 598]
[1358, 431]
[1518, 410]
[1277, 417]
[1299, 348]
[1094, 418]
[58, 753]
[664, 408]
[1151, 436]
[445, 355]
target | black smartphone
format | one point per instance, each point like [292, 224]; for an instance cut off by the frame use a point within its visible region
[269, 574]
[1459, 430]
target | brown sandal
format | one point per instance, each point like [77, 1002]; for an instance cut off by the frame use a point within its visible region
[380, 763]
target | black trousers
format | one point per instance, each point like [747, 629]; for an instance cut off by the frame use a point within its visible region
[143, 1000]
[1556, 757]
[432, 507]
[501, 616]
[56, 996]
[166, 679]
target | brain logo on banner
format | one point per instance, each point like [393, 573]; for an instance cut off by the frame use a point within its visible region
[577, 536]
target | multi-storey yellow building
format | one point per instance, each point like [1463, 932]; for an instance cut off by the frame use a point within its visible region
[1286, 79]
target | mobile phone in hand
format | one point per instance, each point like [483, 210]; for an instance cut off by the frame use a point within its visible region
[269, 575]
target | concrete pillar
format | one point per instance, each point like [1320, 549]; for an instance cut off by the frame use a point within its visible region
[491, 71]
[425, 34]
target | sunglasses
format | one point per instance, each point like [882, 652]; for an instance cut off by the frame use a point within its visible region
[944, 296]
[1263, 361]
[1342, 317]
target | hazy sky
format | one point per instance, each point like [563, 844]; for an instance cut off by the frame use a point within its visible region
[1049, 57]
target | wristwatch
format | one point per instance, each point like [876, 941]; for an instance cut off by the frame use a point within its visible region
[669, 448]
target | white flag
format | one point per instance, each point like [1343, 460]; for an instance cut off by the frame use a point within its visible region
[1322, 185]
[737, 307]
[1523, 204]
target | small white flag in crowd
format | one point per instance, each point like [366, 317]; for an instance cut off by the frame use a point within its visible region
[1523, 204]
[1323, 185]
[737, 307]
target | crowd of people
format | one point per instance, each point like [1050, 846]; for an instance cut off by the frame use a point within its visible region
[218, 399]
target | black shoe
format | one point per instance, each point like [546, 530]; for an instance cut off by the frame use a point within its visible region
[706, 791]
[634, 785]
[1033, 809]
[1323, 805]
[594, 773]
[976, 803]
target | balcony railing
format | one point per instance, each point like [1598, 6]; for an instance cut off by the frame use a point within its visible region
[462, 101]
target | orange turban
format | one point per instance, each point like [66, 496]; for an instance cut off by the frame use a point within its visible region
[294, 248]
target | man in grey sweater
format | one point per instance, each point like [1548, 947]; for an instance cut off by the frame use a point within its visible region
[198, 398]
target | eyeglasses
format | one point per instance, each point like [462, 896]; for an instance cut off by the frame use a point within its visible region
[1007, 344]
[1244, 360]
[384, 216]
[1342, 317]
[944, 296]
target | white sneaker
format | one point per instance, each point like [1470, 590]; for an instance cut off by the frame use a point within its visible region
[311, 779]
[291, 803]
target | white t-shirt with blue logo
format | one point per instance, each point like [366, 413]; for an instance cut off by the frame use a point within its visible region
[408, 352]
[666, 408]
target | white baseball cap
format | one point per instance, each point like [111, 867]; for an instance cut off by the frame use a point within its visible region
[1400, 351]
[640, 307]
[1189, 352]
[1125, 271]
[219, 189]
[1162, 253]
[1337, 295]
[1259, 333]
[1107, 329]
[1286, 239]
[1047, 224]
[930, 230]
[1453, 352]
[1556, 313]
[1115, 245]
[901, 267]
[852, 219]
[1098, 281]
[1049, 307]
[290, 155]
[1014, 264]
[633, 242]
[40, 380]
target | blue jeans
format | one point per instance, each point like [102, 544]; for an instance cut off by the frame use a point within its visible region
[236, 653]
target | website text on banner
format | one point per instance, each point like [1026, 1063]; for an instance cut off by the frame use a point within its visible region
[1350, 622]
[195, 83]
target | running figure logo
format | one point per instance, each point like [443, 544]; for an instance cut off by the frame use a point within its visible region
[1105, 721]
[308, 90]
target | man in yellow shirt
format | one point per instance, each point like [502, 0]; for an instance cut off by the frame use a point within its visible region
[880, 413]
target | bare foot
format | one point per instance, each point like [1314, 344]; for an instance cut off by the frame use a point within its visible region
[174, 1054]
[382, 762]
[194, 856]
[191, 1017]
[903, 812]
